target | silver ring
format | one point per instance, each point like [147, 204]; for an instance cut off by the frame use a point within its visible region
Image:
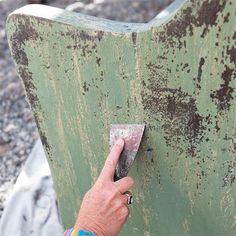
[130, 198]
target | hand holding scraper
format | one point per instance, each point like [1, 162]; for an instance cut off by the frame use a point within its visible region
[104, 209]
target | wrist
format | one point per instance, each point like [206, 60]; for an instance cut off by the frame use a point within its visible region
[95, 230]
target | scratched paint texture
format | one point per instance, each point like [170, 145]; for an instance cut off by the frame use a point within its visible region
[175, 74]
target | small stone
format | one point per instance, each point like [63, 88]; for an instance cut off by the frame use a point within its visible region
[10, 128]
[4, 148]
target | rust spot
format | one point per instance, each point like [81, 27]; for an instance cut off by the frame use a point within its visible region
[234, 36]
[30, 88]
[233, 146]
[98, 61]
[226, 18]
[201, 63]
[223, 96]
[232, 53]
[134, 38]
[204, 32]
[26, 76]
[44, 141]
[217, 126]
[85, 87]
[185, 66]
[123, 75]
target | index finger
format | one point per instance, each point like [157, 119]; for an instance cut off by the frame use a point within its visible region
[109, 168]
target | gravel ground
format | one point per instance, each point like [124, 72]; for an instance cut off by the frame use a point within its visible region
[18, 131]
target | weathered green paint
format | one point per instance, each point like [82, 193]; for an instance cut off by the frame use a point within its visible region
[175, 74]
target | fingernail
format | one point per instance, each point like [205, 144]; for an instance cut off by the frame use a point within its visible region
[120, 142]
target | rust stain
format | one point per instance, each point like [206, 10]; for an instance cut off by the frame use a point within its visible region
[206, 15]
[30, 88]
[209, 12]
[26, 76]
[178, 110]
[223, 96]
[25, 32]
[85, 41]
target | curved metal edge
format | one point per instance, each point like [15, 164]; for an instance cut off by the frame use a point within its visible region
[84, 21]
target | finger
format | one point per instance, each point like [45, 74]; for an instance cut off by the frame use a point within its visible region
[109, 168]
[125, 212]
[124, 184]
[124, 199]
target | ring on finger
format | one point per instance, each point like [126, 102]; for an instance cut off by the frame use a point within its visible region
[130, 198]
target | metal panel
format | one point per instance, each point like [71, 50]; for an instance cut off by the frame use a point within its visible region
[176, 74]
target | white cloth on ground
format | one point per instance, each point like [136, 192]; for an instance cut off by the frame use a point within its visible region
[32, 207]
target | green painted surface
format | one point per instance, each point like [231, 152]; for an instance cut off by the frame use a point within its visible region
[175, 74]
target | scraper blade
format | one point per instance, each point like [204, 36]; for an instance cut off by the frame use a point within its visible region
[132, 135]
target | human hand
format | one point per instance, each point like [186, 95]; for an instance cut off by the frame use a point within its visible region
[104, 208]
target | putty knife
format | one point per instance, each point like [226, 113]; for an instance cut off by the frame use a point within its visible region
[132, 135]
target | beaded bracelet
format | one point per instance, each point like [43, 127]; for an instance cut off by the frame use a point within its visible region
[77, 232]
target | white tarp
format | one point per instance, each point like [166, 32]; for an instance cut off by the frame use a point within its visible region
[32, 207]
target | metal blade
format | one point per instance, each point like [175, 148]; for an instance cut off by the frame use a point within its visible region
[132, 135]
